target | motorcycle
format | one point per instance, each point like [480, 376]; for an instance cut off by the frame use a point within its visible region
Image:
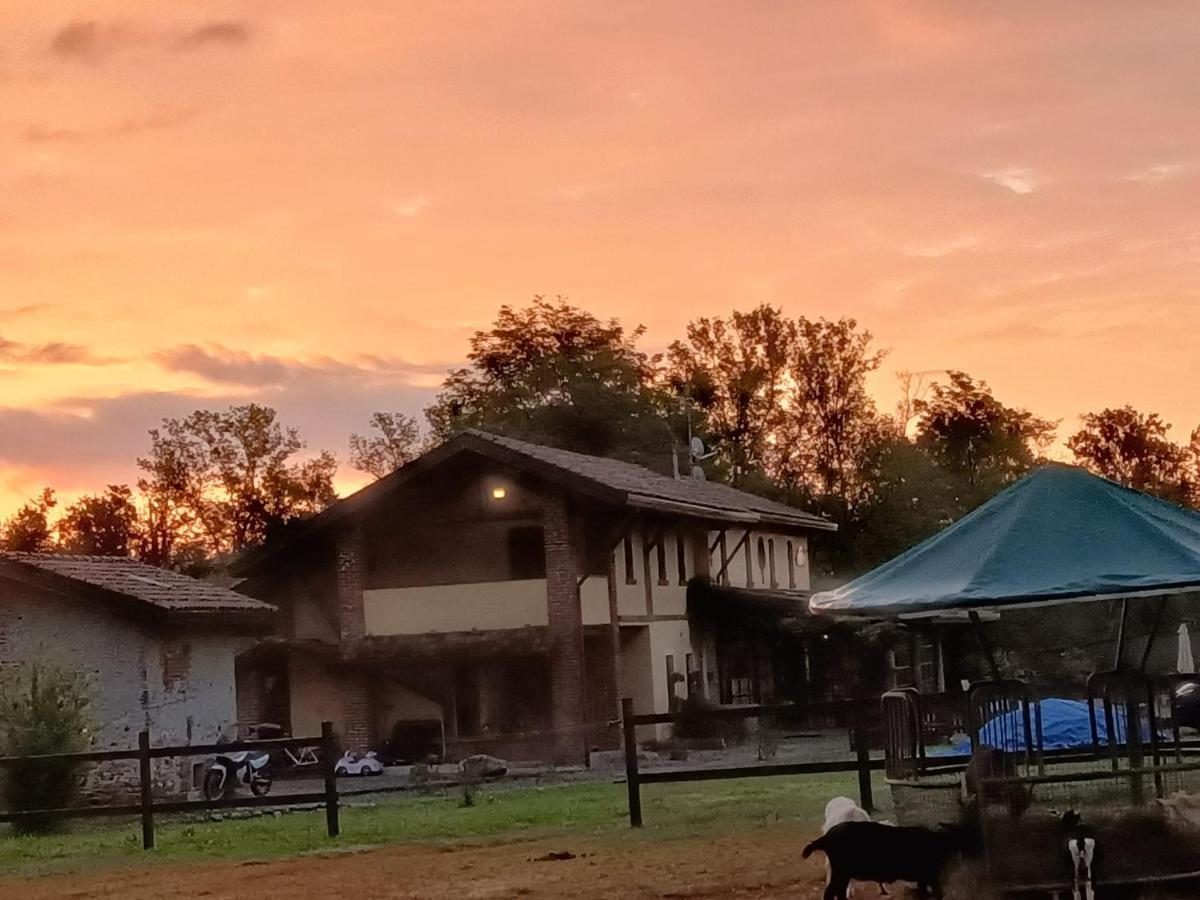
[249, 767]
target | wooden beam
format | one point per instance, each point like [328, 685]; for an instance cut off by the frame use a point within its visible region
[727, 558]
[594, 563]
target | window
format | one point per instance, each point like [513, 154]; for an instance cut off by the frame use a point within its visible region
[791, 553]
[681, 557]
[673, 678]
[762, 561]
[749, 563]
[630, 575]
[660, 547]
[771, 561]
[526, 553]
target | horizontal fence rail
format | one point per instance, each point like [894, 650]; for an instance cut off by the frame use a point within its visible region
[850, 710]
[147, 807]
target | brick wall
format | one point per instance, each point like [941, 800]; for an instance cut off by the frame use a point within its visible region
[351, 577]
[251, 699]
[357, 703]
[566, 634]
[602, 702]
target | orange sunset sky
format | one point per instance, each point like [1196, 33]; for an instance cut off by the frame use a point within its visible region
[313, 204]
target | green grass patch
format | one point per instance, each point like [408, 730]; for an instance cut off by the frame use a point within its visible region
[596, 809]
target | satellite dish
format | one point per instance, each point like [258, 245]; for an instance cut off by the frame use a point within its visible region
[698, 473]
[697, 448]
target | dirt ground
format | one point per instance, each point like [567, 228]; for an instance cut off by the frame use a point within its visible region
[765, 864]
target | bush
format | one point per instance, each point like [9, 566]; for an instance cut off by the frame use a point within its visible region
[43, 710]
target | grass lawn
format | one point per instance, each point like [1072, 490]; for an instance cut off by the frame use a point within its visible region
[499, 812]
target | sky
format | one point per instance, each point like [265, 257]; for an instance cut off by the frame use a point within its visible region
[314, 204]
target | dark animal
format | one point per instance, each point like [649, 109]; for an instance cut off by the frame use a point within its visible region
[872, 851]
[988, 762]
[1084, 854]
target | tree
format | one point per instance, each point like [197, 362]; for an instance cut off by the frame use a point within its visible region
[45, 711]
[735, 370]
[831, 419]
[228, 479]
[394, 445]
[977, 438]
[102, 524]
[28, 530]
[1133, 449]
[555, 374]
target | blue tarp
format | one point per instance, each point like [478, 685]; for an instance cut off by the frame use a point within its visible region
[1060, 533]
[1065, 726]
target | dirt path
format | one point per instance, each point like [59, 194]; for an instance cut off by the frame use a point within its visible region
[764, 864]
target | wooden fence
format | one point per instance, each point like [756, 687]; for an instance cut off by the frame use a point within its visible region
[146, 808]
[855, 712]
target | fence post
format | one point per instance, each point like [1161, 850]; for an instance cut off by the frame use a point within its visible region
[147, 789]
[862, 753]
[329, 757]
[632, 783]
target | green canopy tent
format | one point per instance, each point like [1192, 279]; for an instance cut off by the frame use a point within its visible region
[1058, 535]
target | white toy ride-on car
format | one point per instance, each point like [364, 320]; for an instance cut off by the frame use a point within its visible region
[353, 764]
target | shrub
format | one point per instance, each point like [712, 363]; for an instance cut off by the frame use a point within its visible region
[43, 710]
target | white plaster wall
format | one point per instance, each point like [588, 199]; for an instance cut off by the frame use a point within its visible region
[455, 607]
[744, 568]
[316, 697]
[110, 652]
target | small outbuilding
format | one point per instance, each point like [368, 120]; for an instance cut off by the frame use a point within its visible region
[158, 648]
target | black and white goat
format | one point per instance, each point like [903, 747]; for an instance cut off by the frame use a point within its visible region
[1084, 854]
[872, 851]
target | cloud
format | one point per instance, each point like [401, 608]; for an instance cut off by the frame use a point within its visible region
[88, 40]
[55, 352]
[1157, 173]
[21, 312]
[92, 41]
[156, 121]
[228, 32]
[939, 248]
[1017, 179]
[411, 206]
[225, 366]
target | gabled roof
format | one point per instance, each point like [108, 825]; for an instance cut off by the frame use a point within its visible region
[609, 481]
[643, 488]
[1059, 534]
[134, 586]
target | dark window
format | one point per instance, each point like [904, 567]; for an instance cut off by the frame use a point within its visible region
[681, 557]
[526, 552]
[771, 561]
[630, 575]
[661, 551]
[762, 561]
[791, 565]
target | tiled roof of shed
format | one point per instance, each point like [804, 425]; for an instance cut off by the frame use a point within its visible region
[140, 583]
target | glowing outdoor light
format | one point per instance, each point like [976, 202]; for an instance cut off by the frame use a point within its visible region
[499, 493]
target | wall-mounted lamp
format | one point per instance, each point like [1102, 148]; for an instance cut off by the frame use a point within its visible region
[499, 493]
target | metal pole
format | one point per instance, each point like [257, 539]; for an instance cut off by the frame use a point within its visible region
[1120, 654]
[632, 782]
[147, 790]
[1153, 636]
[984, 644]
[329, 757]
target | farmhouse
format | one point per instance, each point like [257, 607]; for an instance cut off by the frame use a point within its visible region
[501, 596]
[158, 647]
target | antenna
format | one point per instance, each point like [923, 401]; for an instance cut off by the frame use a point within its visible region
[698, 473]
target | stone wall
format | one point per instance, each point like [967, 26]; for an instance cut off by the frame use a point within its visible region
[179, 684]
